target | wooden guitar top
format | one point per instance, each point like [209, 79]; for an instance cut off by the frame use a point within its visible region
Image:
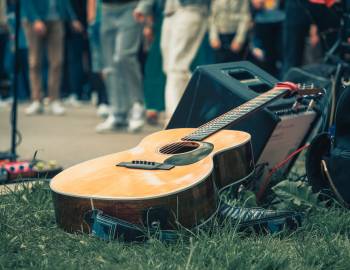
[101, 178]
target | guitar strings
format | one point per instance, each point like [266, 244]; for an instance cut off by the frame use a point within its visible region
[205, 130]
[218, 123]
[221, 121]
[173, 148]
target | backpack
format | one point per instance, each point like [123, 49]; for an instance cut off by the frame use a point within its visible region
[328, 158]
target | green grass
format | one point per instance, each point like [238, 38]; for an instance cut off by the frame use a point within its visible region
[30, 239]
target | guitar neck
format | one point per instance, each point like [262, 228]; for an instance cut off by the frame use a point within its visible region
[236, 114]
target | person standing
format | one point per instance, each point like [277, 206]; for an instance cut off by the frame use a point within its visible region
[121, 40]
[76, 57]
[184, 26]
[296, 28]
[43, 24]
[94, 15]
[228, 28]
[268, 17]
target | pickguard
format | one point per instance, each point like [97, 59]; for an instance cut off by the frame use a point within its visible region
[191, 157]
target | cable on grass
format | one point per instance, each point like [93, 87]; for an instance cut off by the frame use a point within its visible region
[278, 166]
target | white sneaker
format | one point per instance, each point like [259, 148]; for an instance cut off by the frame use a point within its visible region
[137, 117]
[57, 108]
[103, 110]
[73, 101]
[3, 104]
[111, 123]
[34, 108]
[94, 98]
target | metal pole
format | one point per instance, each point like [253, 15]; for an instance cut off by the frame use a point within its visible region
[15, 82]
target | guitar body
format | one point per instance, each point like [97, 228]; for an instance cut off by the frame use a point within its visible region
[185, 194]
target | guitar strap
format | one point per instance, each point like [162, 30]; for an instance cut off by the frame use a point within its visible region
[260, 219]
[257, 219]
[109, 228]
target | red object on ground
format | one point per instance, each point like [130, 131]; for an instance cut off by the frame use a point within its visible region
[328, 3]
[18, 169]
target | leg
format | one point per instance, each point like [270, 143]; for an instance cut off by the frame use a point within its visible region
[75, 46]
[99, 86]
[224, 53]
[109, 33]
[165, 39]
[120, 38]
[55, 57]
[127, 64]
[36, 46]
[220, 55]
[190, 26]
[24, 89]
[295, 30]
[121, 41]
[3, 43]
[97, 63]
[294, 38]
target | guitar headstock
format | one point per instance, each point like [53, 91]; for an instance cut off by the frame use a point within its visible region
[301, 89]
[309, 89]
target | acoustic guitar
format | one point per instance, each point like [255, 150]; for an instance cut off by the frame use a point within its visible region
[173, 176]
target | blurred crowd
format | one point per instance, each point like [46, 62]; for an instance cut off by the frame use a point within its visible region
[134, 58]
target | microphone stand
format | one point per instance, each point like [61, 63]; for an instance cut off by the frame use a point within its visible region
[13, 154]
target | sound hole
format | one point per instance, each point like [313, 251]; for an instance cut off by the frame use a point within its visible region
[179, 147]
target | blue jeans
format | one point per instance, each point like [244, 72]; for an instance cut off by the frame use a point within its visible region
[95, 46]
[121, 39]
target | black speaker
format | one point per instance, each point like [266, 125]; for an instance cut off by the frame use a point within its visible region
[318, 74]
[215, 89]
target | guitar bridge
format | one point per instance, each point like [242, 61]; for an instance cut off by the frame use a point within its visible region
[145, 165]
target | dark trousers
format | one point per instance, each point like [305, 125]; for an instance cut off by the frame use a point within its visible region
[75, 75]
[23, 75]
[295, 31]
[294, 39]
[4, 89]
[269, 35]
[3, 43]
[224, 53]
[299, 15]
[328, 23]
[98, 85]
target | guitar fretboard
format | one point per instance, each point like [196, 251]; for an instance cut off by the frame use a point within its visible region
[235, 114]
